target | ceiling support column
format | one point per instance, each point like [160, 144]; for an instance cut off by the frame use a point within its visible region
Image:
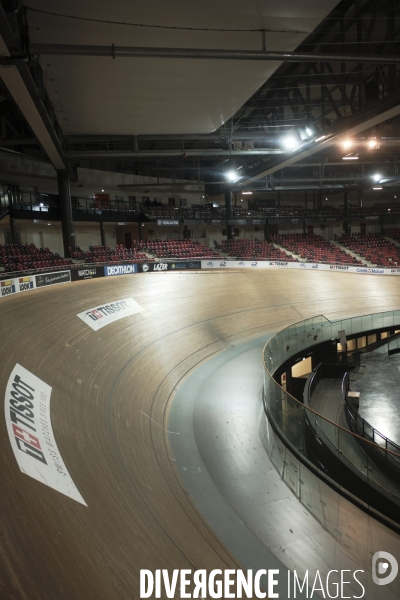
[230, 230]
[66, 212]
[102, 234]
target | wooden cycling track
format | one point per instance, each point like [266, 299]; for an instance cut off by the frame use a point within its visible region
[111, 393]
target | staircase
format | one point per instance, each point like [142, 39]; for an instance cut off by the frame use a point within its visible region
[353, 254]
[289, 252]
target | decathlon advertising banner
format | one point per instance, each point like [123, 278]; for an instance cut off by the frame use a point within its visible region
[120, 270]
[27, 411]
[105, 314]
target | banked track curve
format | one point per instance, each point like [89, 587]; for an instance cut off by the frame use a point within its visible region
[112, 390]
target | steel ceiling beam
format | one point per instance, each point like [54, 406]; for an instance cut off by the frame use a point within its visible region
[372, 115]
[200, 53]
[30, 97]
[154, 153]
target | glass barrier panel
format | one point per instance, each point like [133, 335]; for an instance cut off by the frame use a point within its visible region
[387, 319]
[377, 321]
[316, 438]
[366, 322]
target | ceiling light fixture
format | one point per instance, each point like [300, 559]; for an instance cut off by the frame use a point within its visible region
[376, 177]
[350, 158]
[290, 142]
[347, 144]
[377, 188]
[232, 175]
[373, 144]
[322, 137]
[245, 193]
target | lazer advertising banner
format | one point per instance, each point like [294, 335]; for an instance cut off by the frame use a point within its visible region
[27, 412]
[153, 267]
[159, 267]
[52, 278]
[103, 315]
[120, 270]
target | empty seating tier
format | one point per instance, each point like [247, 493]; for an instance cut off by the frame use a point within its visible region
[373, 247]
[253, 250]
[314, 248]
[22, 257]
[103, 254]
[183, 249]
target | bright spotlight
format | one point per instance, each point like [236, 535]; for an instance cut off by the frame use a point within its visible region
[376, 177]
[347, 144]
[290, 142]
[232, 175]
[309, 131]
[373, 144]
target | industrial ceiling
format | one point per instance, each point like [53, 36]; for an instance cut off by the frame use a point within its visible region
[187, 89]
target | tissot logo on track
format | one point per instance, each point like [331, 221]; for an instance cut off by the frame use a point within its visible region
[107, 309]
[102, 315]
[27, 413]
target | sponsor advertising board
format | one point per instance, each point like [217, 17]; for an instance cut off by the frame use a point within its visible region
[177, 266]
[160, 267]
[25, 284]
[45, 279]
[27, 412]
[167, 221]
[86, 273]
[7, 287]
[234, 264]
[153, 267]
[120, 270]
[103, 315]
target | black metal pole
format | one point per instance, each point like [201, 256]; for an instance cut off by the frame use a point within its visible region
[66, 212]
[102, 234]
[230, 230]
[13, 231]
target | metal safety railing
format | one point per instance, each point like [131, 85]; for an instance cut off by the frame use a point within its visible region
[323, 445]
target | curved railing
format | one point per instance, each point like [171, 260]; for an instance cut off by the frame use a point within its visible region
[324, 446]
[362, 428]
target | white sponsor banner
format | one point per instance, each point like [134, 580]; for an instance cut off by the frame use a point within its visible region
[309, 266]
[27, 411]
[15, 285]
[104, 314]
[9, 287]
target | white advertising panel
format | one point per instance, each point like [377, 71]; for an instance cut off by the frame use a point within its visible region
[105, 314]
[278, 264]
[27, 412]
[15, 285]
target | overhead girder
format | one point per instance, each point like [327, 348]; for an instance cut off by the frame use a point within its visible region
[366, 118]
[201, 53]
[25, 84]
[331, 33]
